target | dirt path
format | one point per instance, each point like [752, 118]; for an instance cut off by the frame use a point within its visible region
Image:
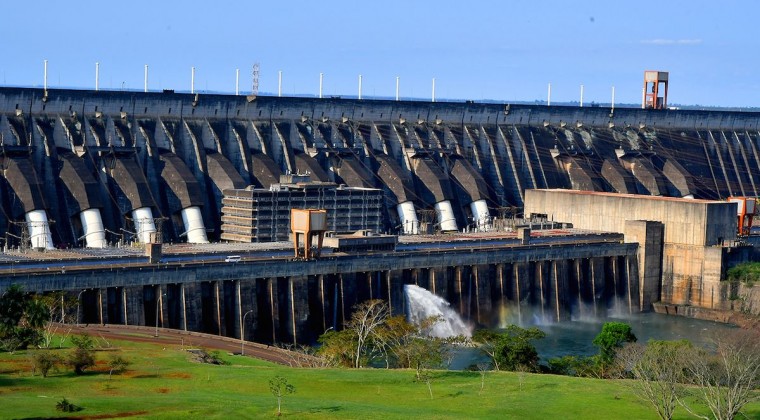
[188, 339]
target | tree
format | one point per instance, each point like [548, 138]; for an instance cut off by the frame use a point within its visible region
[425, 354]
[487, 341]
[511, 348]
[392, 339]
[365, 320]
[338, 347]
[727, 379]
[426, 376]
[44, 362]
[57, 305]
[21, 319]
[82, 357]
[612, 337]
[568, 365]
[280, 387]
[658, 371]
[372, 335]
[403, 344]
[483, 369]
[117, 364]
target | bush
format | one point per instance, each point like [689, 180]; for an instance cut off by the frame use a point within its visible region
[81, 359]
[44, 362]
[204, 356]
[747, 272]
[117, 365]
[84, 342]
[511, 348]
[66, 406]
[613, 336]
[21, 320]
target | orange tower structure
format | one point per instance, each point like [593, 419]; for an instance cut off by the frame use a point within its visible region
[655, 83]
[745, 213]
[308, 223]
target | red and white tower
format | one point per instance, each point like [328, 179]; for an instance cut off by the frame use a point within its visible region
[655, 84]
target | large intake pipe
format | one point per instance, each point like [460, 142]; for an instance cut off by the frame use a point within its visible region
[194, 228]
[92, 225]
[480, 216]
[144, 225]
[39, 229]
[446, 219]
[408, 218]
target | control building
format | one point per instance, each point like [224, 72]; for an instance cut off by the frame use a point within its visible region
[263, 215]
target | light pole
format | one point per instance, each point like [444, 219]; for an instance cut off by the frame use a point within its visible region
[158, 307]
[78, 303]
[242, 333]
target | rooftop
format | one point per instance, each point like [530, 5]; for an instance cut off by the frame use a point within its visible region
[633, 196]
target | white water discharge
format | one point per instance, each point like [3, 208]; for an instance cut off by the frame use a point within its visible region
[422, 304]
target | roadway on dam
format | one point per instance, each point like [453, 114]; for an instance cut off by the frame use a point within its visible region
[59, 261]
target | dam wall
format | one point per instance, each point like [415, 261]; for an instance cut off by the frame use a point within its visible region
[165, 154]
[98, 168]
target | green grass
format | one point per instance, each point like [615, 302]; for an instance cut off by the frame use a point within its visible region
[163, 382]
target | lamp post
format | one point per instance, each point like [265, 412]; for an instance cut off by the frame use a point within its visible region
[158, 307]
[242, 333]
[79, 303]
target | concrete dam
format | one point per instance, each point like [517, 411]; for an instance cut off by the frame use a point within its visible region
[92, 170]
[550, 275]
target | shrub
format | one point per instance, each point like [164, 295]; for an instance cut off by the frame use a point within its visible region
[747, 272]
[81, 359]
[573, 366]
[84, 342]
[511, 348]
[117, 365]
[612, 337]
[44, 362]
[204, 356]
[66, 406]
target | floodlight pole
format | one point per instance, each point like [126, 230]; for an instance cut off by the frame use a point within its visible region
[242, 333]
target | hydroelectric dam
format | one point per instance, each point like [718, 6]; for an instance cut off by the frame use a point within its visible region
[93, 180]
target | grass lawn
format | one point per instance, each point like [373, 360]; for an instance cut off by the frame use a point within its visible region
[164, 382]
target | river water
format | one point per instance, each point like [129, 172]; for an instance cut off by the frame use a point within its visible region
[575, 337]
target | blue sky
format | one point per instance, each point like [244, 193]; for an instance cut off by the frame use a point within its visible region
[500, 50]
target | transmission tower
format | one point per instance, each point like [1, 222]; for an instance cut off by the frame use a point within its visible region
[255, 88]
[137, 226]
[427, 219]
